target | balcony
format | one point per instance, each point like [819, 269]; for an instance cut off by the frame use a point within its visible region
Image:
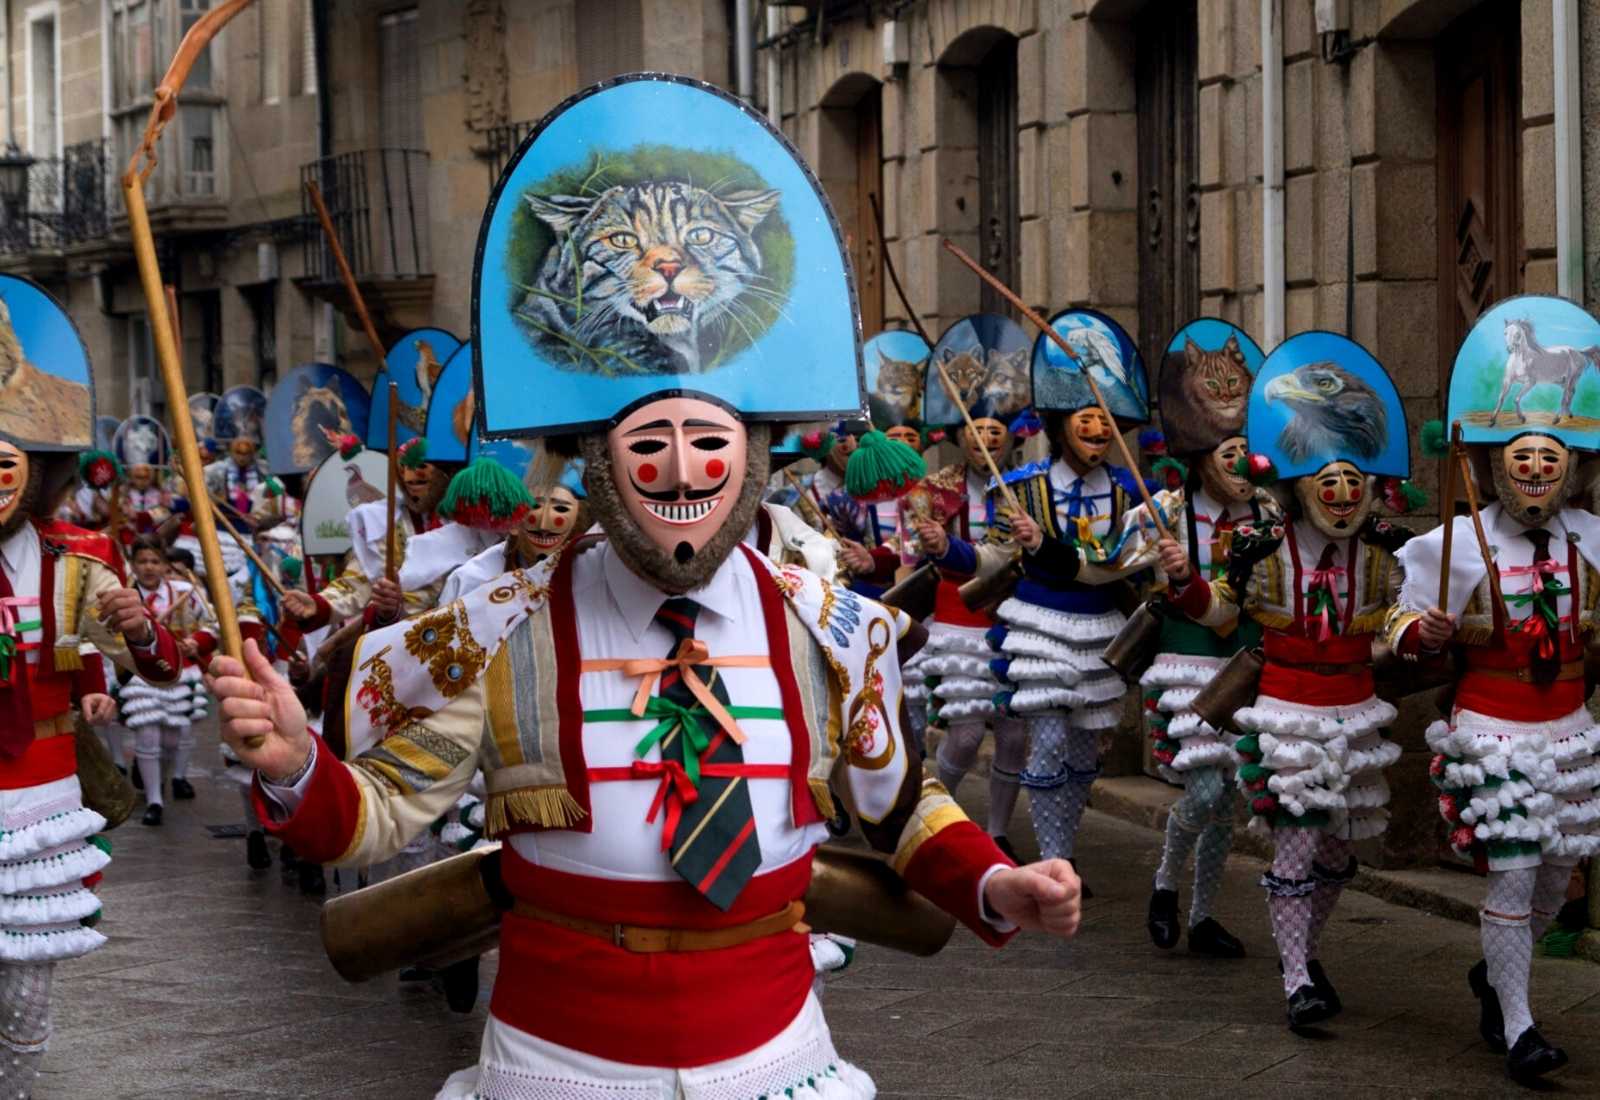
[377, 200]
[66, 205]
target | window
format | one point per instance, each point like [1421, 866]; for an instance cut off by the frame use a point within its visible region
[44, 83]
[143, 35]
[269, 34]
[144, 394]
[400, 109]
[263, 303]
[610, 39]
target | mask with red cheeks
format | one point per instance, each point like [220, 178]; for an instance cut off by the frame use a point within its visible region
[843, 448]
[553, 521]
[1088, 438]
[15, 477]
[141, 477]
[1335, 499]
[909, 436]
[1217, 472]
[990, 435]
[1531, 478]
[243, 452]
[678, 465]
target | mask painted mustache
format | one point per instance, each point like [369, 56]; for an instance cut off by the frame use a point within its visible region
[672, 496]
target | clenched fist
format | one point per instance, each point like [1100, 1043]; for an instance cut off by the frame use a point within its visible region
[935, 540]
[1174, 561]
[856, 558]
[1026, 533]
[1039, 897]
[123, 611]
[386, 599]
[299, 604]
[1435, 629]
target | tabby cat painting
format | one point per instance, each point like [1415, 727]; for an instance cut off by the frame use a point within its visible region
[45, 400]
[1204, 384]
[654, 227]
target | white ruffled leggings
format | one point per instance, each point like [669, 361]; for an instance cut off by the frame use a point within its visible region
[24, 1024]
[1518, 908]
[959, 750]
[1063, 763]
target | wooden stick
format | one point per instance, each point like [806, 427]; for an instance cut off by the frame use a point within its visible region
[1447, 514]
[988, 459]
[1094, 387]
[1491, 570]
[391, 566]
[249, 551]
[163, 108]
[821, 514]
[346, 276]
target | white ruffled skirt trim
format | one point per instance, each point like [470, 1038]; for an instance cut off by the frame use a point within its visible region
[1056, 666]
[1555, 799]
[45, 854]
[1179, 677]
[799, 1063]
[1325, 759]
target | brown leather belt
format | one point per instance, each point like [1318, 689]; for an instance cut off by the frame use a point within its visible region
[650, 941]
[1572, 670]
[53, 727]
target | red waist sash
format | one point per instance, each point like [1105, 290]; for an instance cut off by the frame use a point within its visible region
[1288, 677]
[1518, 700]
[678, 1010]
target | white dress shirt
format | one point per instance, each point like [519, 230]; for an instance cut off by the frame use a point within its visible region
[20, 556]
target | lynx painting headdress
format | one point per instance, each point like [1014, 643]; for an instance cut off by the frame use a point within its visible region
[896, 363]
[653, 234]
[986, 358]
[1530, 364]
[308, 411]
[1104, 348]
[1204, 385]
[46, 386]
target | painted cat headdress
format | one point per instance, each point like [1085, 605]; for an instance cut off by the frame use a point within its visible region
[896, 361]
[653, 235]
[1204, 384]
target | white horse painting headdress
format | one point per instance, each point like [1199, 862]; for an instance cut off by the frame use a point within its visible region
[1530, 364]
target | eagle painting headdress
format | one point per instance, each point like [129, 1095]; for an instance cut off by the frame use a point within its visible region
[1320, 398]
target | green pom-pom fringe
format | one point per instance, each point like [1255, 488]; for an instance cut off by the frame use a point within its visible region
[1179, 471]
[349, 446]
[1435, 440]
[881, 468]
[413, 454]
[487, 496]
[274, 487]
[289, 570]
[92, 919]
[102, 842]
[1414, 497]
[99, 469]
[1249, 773]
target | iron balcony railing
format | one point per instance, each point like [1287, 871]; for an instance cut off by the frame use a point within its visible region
[499, 143]
[378, 202]
[67, 201]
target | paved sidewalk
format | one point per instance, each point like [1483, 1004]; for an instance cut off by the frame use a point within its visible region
[215, 986]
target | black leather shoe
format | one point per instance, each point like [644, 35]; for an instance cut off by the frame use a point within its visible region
[1324, 988]
[1004, 844]
[461, 984]
[182, 789]
[1532, 1057]
[1491, 1024]
[152, 814]
[1306, 1007]
[1162, 923]
[255, 851]
[1210, 938]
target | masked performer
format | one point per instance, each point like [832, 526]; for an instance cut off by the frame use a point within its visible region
[59, 587]
[162, 717]
[1325, 414]
[141, 503]
[235, 478]
[986, 358]
[1516, 763]
[1205, 385]
[660, 771]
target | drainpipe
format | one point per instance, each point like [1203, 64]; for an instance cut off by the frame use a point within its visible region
[1272, 313]
[774, 68]
[744, 50]
[11, 107]
[1569, 155]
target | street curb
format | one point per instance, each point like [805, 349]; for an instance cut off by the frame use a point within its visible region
[1142, 800]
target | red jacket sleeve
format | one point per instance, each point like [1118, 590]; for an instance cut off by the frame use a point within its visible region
[947, 869]
[1193, 599]
[159, 663]
[320, 618]
[324, 824]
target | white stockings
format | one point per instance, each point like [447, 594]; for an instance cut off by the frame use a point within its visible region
[1062, 765]
[1309, 872]
[959, 750]
[1205, 815]
[25, 1027]
[1517, 910]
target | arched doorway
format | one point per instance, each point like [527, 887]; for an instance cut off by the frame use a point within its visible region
[850, 165]
[978, 124]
